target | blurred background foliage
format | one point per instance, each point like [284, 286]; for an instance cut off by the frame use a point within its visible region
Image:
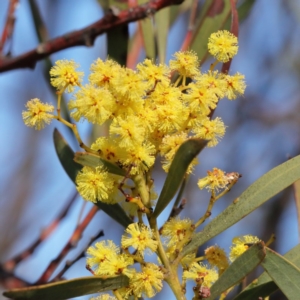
[263, 126]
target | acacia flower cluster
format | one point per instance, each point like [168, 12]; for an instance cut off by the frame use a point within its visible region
[148, 113]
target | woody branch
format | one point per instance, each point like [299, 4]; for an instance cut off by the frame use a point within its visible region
[85, 36]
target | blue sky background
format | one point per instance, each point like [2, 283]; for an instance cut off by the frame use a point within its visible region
[263, 131]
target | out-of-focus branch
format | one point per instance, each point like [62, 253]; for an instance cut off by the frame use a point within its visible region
[189, 35]
[9, 24]
[70, 263]
[10, 280]
[85, 36]
[11, 264]
[234, 29]
[7, 277]
[70, 244]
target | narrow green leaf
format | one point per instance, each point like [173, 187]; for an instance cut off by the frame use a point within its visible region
[285, 274]
[213, 17]
[254, 196]
[179, 10]
[112, 4]
[117, 43]
[263, 286]
[296, 187]
[240, 268]
[116, 212]
[104, 4]
[183, 157]
[68, 288]
[148, 38]
[243, 12]
[148, 35]
[162, 21]
[91, 160]
[244, 9]
[66, 157]
[117, 38]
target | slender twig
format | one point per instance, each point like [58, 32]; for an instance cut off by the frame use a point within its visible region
[9, 280]
[11, 264]
[70, 263]
[85, 36]
[189, 35]
[9, 24]
[176, 210]
[235, 30]
[70, 244]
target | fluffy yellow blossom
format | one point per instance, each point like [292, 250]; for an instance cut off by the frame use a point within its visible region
[240, 245]
[223, 45]
[199, 272]
[211, 130]
[129, 84]
[103, 72]
[93, 104]
[214, 81]
[200, 99]
[148, 282]
[129, 131]
[154, 74]
[215, 180]
[101, 252]
[106, 259]
[116, 265]
[37, 114]
[94, 184]
[168, 107]
[141, 238]
[217, 257]
[177, 230]
[107, 147]
[235, 86]
[64, 75]
[185, 63]
[139, 157]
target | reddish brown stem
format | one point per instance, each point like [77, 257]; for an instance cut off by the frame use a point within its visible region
[189, 35]
[11, 264]
[85, 36]
[70, 244]
[9, 24]
[69, 264]
[10, 281]
[235, 30]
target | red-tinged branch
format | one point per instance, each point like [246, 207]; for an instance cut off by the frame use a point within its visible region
[69, 264]
[191, 28]
[234, 29]
[10, 265]
[86, 36]
[9, 24]
[10, 281]
[70, 244]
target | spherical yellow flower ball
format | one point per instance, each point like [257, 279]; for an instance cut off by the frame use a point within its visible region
[223, 45]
